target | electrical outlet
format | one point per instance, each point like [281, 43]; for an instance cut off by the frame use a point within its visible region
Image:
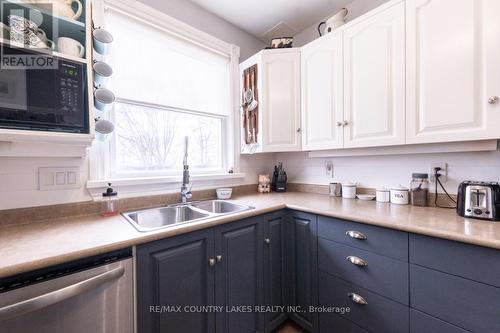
[443, 172]
[329, 168]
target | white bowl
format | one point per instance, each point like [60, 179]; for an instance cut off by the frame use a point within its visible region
[224, 193]
[366, 197]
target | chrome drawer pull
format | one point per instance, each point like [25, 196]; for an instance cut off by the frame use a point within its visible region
[357, 298]
[357, 261]
[355, 234]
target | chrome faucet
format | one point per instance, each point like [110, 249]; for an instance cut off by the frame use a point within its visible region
[186, 184]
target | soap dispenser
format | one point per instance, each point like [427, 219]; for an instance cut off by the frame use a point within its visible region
[109, 206]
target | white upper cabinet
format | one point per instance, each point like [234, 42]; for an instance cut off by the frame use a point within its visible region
[322, 93]
[374, 80]
[278, 115]
[453, 59]
[281, 101]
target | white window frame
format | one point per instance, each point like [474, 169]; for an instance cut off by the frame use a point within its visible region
[100, 162]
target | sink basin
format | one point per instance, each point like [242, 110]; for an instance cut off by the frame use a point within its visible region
[219, 206]
[163, 217]
[155, 218]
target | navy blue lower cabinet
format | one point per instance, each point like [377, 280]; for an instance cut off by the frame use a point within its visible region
[334, 323]
[173, 275]
[302, 254]
[275, 269]
[421, 323]
[465, 303]
[368, 310]
[239, 277]
[380, 274]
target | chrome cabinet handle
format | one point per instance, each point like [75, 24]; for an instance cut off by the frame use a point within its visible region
[355, 234]
[211, 262]
[357, 299]
[219, 258]
[267, 241]
[493, 100]
[59, 295]
[357, 261]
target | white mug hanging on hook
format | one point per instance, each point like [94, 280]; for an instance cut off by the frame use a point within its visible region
[102, 40]
[103, 129]
[102, 72]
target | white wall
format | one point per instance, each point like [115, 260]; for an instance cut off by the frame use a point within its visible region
[356, 8]
[19, 176]
[377, 171]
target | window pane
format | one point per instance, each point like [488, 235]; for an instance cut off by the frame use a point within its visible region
[153, 66]
[152, 140]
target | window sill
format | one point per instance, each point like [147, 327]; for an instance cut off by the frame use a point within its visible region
[133, 187]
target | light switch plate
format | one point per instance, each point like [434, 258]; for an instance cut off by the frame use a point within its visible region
[52, 179]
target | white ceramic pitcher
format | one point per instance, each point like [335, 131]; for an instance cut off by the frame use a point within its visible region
[60, 7]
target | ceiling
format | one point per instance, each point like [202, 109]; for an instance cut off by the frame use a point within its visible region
[260, 16]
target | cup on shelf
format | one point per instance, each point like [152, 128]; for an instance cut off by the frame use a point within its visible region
[102, 40]
[27, 32]
[103, 99]
[103, 129]
[60, 8]
[4, 31]
[102, 72]
[70, 47]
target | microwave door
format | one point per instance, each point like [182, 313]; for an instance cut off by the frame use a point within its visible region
[13, 90]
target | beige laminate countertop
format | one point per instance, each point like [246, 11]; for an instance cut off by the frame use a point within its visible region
[37, 245]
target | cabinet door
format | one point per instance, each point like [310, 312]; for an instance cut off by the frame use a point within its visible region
[274, 268]
[374, 80]
[239, 276]
[322, 93]
[176, 272]
[303, 268]
[453, 69]
[281, 98]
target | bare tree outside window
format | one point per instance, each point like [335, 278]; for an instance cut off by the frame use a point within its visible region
[150, 139]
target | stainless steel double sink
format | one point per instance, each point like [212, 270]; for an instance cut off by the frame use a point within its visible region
[163, 217]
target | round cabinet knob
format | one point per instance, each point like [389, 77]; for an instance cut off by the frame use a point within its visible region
[357, 261]
[219, 258]
[211, 262]
[346, 123]
[493, 100]
[339, 123]
[299, 130]
[267, 241]
[357, 299]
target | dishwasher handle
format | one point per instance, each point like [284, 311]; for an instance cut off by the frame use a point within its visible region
[59, 295]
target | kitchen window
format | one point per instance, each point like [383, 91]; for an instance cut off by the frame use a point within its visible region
[169, 83]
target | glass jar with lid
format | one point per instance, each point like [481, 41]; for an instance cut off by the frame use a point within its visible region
[419, 189]
[109, 205]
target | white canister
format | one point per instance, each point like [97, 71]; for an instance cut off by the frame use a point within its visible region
[349, 191]
[383, 195]
[400, 195]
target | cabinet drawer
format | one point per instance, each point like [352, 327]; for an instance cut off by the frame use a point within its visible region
[421, 322]
[465, 303]
[390, 243]
[465, 260]
[329, 322]
[382, 275]
[380, 315]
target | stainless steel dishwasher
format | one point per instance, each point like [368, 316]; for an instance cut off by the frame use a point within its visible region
[90, 295]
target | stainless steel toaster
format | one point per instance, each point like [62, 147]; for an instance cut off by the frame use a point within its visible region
[479, 200]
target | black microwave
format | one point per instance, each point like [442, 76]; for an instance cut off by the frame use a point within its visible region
[42, 93]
